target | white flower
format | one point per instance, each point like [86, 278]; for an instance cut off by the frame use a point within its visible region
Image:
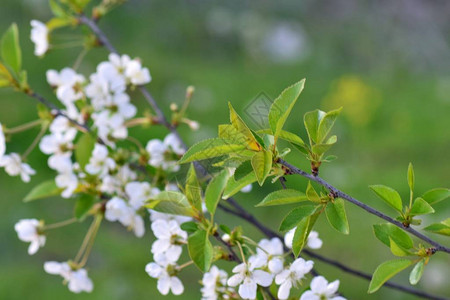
[78, 279]
[139, 192]
[313, 241]
[270, 254]
[39, 36]
[68, 84]
[28, 231]
[2, 142]
[164, 269]
[248, 278]
[136, 74]
[215, 284]
[14, 166]
[321, 290]
[156, 215]
[170, 237]
[290, 277]
[247, 188]
[118, 210]
[99, 163]
[68, 181]
[164, 153]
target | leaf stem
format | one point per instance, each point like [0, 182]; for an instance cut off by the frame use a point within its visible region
[59, 224]
[23, 127]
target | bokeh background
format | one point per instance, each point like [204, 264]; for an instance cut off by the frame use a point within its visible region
[386, 62]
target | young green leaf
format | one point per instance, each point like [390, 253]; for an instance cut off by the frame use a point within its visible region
[421, 207]
[170, 202]
[229, 132]
[214, 191]
[287, 136]
[234, 186]
[83, 206]
[417, 272]
[243, 170]
[243, 129]
[296, 215]
[386, 232]
[397, 250]
[190, 226]
[281, 197]
[411, 176]
[442, 228]
[210, 148]
[43, 190]
[11, 53]
[200, 250]
[262, 164]
[57, 9]
[436, 195]
[389, 195]
[311, 193]
[336, 215]
[300, 236]
[5, 77]
[320, 149]
[311, 120]
[386, 271]
[326, 123]
[282, 106]
[193, 190]
[84, 148]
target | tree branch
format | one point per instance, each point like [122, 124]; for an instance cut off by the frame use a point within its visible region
[338, 193]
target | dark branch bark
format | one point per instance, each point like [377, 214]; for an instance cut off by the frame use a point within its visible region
[373, 211]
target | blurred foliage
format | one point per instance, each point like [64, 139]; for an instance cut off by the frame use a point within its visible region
[385, 63]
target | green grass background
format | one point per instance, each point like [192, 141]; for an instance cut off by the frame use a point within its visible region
[396, 111]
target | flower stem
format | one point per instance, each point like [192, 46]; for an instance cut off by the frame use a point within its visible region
[242, 252]
[23, 127]
[35, 141]
[79, 59]
[97, 222]
[86, 240]
[60, 224]
[185, 265]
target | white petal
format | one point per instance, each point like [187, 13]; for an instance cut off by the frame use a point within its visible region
[235, 280]
[164, 285]
[319, 285]
[332, 288]
[262, 278]
[247, 290]
[309, 295]
[283, 291]
[176, 285]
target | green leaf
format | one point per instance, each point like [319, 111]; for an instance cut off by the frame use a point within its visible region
[389, 195]
[300, 236]
[84, 148]
[296, 215]
[281, 197]
[311, 120]
[200, 250]
[43, 190]
[336, 215]
[417, 272]
[229, 132]
[193, 190]
[170, 202]
[282, 106]
[436, 195]
[421, 207]
[5, 77]
[234, 186]
[410, 176]
[311, 193]
[287, 136]
[440, 228]
[326, 123]
[57, 9]
[11, 53]
[385, 232]
[214, 191]
[83, 206]
[397, 250]
[262, 164]
[189, 226]
[210, 148]
[243, 129]
[55, 23]
[243, 170]
[320, 149]
[386, 271]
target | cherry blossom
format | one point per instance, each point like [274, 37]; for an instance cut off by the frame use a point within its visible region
[322, 290]
[14, 166]
[291, 276]
[28, 230]
[248, 278]
[39, 36]
[165, 269]
[78, 280]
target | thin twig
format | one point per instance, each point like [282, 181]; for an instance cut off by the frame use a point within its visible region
[339, 194]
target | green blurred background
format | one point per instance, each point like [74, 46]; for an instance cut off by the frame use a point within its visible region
[386, 62]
